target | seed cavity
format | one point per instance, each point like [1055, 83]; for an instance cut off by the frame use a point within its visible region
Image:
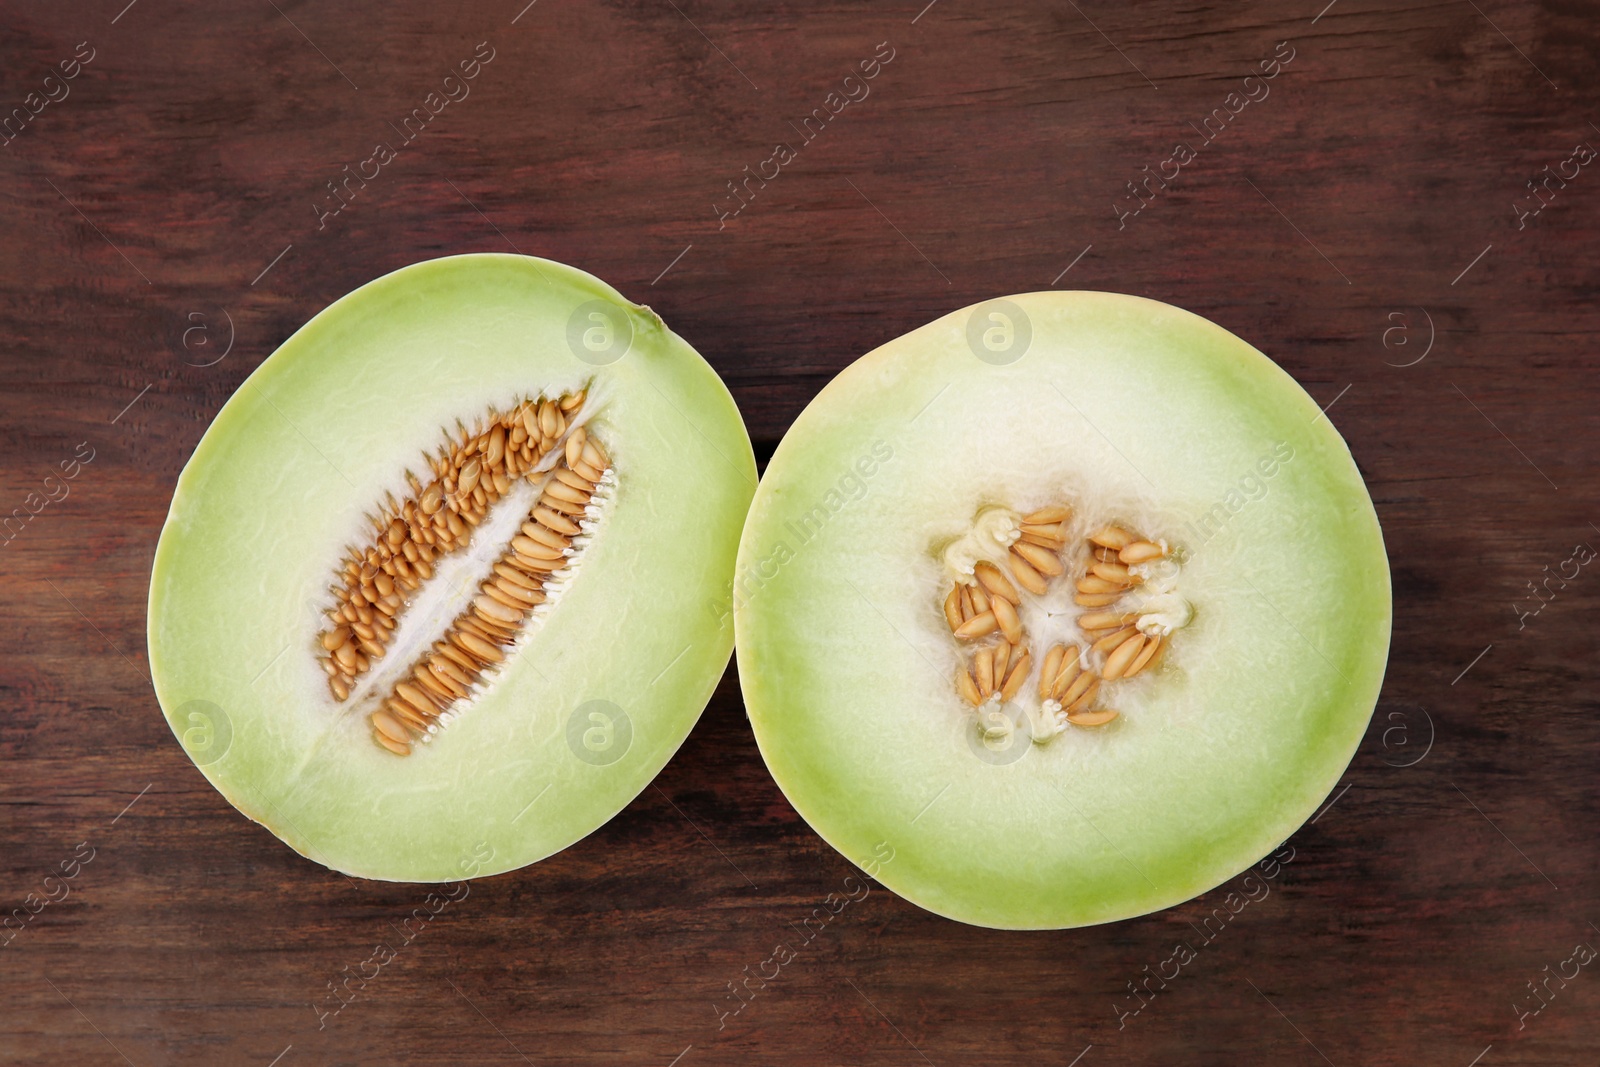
[1125, 582]
[540, 440]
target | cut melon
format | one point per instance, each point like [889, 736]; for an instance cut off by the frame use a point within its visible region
[435, 596]
[1073, 600]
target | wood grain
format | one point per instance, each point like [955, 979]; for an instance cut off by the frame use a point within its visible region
[1374, 189]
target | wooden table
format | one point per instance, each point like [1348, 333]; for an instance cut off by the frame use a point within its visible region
[1367, 220]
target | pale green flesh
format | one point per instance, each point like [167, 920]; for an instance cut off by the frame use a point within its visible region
[1127, 409]
[280, 485]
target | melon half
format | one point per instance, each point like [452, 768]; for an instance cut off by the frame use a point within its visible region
[1073, 603]
[444, 584]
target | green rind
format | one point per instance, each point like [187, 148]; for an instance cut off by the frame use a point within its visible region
[852, 715]
[280, 480]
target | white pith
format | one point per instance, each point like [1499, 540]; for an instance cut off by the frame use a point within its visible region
[994, 530]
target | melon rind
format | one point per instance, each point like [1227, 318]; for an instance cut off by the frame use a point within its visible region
[282, 481]
[1129, 409]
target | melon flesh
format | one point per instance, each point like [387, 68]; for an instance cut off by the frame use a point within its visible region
[1127, 410]
[285, 479]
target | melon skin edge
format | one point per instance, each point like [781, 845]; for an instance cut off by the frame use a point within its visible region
[1234, 783]
[421, 346]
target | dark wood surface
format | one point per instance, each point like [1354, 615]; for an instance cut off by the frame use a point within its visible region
[1370, 199]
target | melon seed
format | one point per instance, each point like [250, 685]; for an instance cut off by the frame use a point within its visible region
[983, 667]
[1112, 537]
[1152, 648]
[952, 608]
[1026, 576]
[995, 582]
[1122, 657]
[1141, 552]
[966, 687]
[1018, 675]
[1112, 640]
[1006, 618]
[1047, 516]
[978, 626]
[1042, 560]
